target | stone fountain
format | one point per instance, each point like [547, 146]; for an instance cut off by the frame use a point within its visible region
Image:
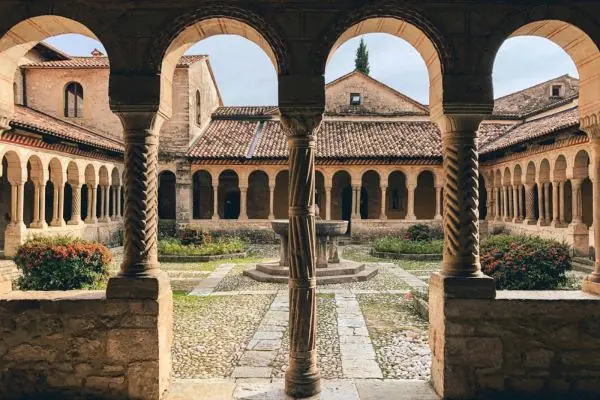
[331, 268]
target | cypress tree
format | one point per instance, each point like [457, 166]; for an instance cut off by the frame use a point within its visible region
[362, 58]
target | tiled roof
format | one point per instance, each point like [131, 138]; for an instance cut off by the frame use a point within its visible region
[490, 131]
[533, 129]
[245, 111]
[30, 119]
[100, 62]
[536, 98]
[225, 139]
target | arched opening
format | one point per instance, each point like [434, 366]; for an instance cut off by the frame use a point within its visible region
[55, 198]
[397, 196]
[425, 196]
[202, 195]
[581, 172]
[320, 194]
[546, 192]
[258, 195]
[36, 178]
[229, 195]
[73, 100]
[280, 205]
[102, 202]
[166, 195]
[87, 208]
[370, 197]
[341, 196]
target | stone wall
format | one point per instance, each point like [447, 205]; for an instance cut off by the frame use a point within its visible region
[79, 344]
[522, 343]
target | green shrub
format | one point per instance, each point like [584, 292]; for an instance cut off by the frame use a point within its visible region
[418, 233]
[175, 247]
[62, 263]
[525, 262]
[396, 245]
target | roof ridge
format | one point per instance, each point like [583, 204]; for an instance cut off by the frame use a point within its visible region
[535, 86]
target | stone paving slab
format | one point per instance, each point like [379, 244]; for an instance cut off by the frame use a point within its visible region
[407, 277]
[208, 285]
[273, 389]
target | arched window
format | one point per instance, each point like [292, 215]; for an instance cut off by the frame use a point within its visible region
[73, 100]
[198, 109]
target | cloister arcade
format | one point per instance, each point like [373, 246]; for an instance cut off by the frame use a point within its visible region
[45, 192]
[349, 193]
[458, 48]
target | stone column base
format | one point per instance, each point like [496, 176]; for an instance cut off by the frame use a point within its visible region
[581, 239]
[590, 287]
[150, 378]
[529, 222]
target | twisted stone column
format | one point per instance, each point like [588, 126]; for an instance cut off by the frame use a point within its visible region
[529, 204]
[382, 212]
[328, 203]
[438, 203]
[75, 204]
[410, 212]
[215, 214]
[302, 378]
[243, 201]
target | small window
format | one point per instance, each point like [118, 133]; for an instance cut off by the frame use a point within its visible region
[73, 100]
[355, 99]
[198, 109]
[556, 91]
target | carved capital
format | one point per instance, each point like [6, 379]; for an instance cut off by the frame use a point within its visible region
[303, 121]
[460, 124]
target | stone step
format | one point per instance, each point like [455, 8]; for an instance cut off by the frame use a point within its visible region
[364, 275]
[577, 266]
[583, 260]
[344, 268]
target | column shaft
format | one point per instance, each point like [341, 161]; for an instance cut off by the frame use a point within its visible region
[271, 202]
[382, 212]
[14, 199]
[243, 203]
[75, 205]
[529, 205]
[547, 215]
[20, 201]
[438, 202]
[328, 203]
[540, 187]
[42, 206]
[36, 206]
[516, 207]
[215, 214]
[410, 213]
[555, 192]
[576, 201]
[561, 198]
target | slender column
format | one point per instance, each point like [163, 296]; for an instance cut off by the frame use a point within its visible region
[102, 198]
[547, 215]
[75, 205]
[119, 213]
[515, 193]
[489, 206]
[61, 204]
[561, 198]
[20, 201]
[36, 206]
[529, 205]
[506, 205]
[540, 187]
[592, 281]
[498, 215]
[56, 220]
[555, 197]
[243, 205]
[302, 378]
[107, 203]
[92, 194]
[383, 194]
[328, 203]
[14, 199]
[271, 200]
[576, 201]
[354, 201]
[215, 202]
[358, 199]
[42, 206]
[438, 203]
[410, 213]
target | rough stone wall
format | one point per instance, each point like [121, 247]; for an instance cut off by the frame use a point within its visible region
[45, 92]
[200, 79]
[174, 134]
[80, 345]
[520, 344]
[375, 98]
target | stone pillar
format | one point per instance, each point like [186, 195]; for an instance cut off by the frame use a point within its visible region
[92, 199]
[516, 208]
[498, 215]
[14, 200]
[328, 203]
[271, 200]
[576, 200]
[383, 211]
[438, 203]
[102, 198]
[547, 215]
[410, 212]
[75, 205]
[355, 214]
[561, 197]
[215, 215]
[183, 193]
[20, 202]
[529, 205]
[57, 207]
[591, 283]
[243, 203]
[107, 203]
[489, 206]
[555, 197]
[301, 116]
[118, 204]
[505, 203]
[36, 205]
[540, 221]
[42, 206]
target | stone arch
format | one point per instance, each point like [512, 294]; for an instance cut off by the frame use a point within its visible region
[22, 37]
[370, 197]
[90, 181]
[544, 171]
[35, 178]
[560, 168]
[229, 194]
[576, 34]
[167, 195]
[258, 201]
[209, 21]
[404, 22]
[341, 195]
[202, 195]
[397, 195]
[280, 194]
[581, 165]
[530, 173]
[425, 195]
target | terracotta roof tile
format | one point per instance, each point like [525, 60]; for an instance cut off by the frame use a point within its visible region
[490, 131]
[31, 119]
[245, 111]
[534, 129]
[225, 139]
[99, 62]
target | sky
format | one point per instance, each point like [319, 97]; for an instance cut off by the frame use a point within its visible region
[246, 76]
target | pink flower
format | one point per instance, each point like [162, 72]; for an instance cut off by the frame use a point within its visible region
[408, 296]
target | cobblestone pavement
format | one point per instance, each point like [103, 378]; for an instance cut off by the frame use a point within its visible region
[398, 335]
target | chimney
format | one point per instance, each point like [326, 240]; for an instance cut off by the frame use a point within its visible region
[97, 53]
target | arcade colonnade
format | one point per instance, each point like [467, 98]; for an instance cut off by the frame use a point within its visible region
[351, 192]
[466, 360]
[50, 193]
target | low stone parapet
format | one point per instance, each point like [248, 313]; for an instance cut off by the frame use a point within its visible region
[522, 344]
[79, 344]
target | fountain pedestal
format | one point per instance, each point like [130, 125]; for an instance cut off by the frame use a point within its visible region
[331, 268]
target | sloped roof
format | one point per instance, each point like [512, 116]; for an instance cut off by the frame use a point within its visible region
[30, 119]
[245, 111]
[536, 99]
[99, 62]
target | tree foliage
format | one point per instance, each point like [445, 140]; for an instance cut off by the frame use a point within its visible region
[362, 58]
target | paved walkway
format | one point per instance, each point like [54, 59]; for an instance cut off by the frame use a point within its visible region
[273, 389]
[208, 285]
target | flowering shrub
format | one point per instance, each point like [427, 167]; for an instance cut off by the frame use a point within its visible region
[525, 262]
[62, 263]
[418, 233]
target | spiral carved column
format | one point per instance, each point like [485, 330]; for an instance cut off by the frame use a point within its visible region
[529, 204]
[302, 378]
[75, 205]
